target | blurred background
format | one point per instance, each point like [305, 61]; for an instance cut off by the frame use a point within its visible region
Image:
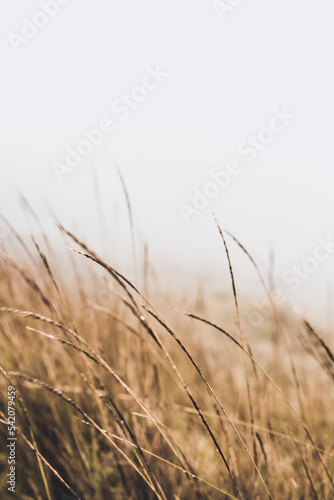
[221, 71]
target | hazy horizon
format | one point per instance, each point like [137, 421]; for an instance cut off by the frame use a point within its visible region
[239, 96]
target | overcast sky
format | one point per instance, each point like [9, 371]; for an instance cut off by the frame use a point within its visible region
[181, 92]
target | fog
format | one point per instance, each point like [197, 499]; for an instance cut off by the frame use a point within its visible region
[205, 107]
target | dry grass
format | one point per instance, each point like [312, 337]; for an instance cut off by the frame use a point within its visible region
[120, 401]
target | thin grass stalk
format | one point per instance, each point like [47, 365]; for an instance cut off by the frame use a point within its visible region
[133, 239]
[308, 474]
[32, 283]
[18, 237]
[279, 323]
[241, 335]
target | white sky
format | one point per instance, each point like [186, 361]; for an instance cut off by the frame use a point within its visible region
[225, 78]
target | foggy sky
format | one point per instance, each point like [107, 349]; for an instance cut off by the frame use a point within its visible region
[222, 80]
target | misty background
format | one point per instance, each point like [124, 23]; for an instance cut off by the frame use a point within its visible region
[226, 75]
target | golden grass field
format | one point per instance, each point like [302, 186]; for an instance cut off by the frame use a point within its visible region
[133, 400]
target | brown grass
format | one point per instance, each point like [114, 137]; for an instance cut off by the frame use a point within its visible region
[123, 401]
